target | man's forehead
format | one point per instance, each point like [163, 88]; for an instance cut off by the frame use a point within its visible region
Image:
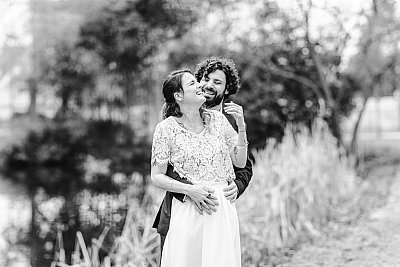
[217, 74]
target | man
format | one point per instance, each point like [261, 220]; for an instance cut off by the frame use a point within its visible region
[219, 80]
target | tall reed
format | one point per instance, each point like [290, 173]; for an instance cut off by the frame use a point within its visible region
[138, 245]
[298, 186]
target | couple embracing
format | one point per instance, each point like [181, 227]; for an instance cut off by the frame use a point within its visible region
[200, 157]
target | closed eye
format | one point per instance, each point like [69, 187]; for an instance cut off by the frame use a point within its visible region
[217, 81]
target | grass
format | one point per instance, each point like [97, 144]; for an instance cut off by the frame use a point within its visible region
[298, 187]
[137, 246]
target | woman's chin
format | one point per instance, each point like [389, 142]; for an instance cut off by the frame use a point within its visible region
[202, 99]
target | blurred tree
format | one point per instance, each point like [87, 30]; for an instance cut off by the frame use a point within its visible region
[57, 162]
[52, 23]
[115, 46]
[282, 81]
[376, 65]
[127, 35]
[319, 71]
[71, 74]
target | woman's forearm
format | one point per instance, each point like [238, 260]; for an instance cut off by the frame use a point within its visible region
[240, 151]
[164, 182]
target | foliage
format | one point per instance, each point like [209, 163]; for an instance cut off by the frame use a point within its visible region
[123, 39]
[126, 35]
[53, 158]
[375, 65]
[47, 32]
[66, 157]
[137, 245]
[280, 81]
[298, 187]
[71, 75]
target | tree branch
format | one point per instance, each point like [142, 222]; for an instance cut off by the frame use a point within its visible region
[292, 76]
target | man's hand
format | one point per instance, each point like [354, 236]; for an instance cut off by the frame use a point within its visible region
[231, 192]
[204, 202]
[237, 112]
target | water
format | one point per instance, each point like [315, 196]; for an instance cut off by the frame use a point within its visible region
[16, 212]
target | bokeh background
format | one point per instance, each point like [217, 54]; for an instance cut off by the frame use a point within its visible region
[80, 95]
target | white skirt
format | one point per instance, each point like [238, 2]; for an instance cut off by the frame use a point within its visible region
[195, 240]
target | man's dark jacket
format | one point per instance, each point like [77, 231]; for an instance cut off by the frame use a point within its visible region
[162, 220]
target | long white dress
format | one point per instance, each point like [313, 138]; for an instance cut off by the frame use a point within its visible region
[195, 240]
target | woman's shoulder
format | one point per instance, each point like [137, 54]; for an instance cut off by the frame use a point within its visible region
[165, 124]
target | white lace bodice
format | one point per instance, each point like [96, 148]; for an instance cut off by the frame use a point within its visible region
[200, 158]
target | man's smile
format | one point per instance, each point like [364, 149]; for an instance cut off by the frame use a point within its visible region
[209, 92]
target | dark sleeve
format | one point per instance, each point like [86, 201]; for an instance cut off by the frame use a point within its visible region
[174, 175]
[243, 176]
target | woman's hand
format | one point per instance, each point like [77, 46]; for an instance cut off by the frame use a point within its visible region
[202, 196]
[237, 112]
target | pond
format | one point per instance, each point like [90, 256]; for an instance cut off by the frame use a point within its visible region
[15, 214]
[73, 176]
[36, 227]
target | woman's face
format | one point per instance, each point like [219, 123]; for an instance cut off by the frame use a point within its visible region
[192, 93]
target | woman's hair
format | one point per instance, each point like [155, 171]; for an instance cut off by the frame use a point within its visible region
[172, 84]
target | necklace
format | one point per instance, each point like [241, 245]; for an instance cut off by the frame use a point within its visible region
[181, 124]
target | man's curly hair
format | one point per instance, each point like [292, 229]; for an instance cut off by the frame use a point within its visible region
[211, 64]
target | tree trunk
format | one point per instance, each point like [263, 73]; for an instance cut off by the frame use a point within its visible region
[378, 117]
[352, 148]
[128, 96]
[335, 126]
[33, 239]
[32, 87]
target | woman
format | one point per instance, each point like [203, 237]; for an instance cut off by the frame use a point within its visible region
[202, 146]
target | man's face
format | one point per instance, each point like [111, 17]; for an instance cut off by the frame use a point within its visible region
[214, 88]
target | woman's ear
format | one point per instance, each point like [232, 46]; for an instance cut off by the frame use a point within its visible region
[178, 96]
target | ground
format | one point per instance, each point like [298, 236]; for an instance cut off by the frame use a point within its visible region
[373, 240]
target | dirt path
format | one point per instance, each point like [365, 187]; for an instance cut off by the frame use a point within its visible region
[374, 241]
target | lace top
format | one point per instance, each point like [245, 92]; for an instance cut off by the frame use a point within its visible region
[200, 158]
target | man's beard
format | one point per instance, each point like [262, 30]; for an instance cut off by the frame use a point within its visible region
[212, 97]
[215, 101]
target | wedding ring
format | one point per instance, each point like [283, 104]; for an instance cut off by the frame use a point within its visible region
[209, 195]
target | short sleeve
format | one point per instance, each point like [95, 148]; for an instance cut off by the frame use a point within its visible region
[231, 136]
[160, 150]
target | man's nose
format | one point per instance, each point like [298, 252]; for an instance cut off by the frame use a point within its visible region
[209, 84]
